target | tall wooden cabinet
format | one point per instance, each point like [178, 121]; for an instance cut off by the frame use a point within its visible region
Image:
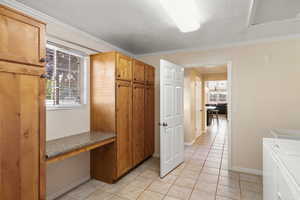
[118, 104]
[149, 112]
[22, 111]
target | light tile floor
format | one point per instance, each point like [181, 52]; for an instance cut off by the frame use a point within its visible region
[203, 176]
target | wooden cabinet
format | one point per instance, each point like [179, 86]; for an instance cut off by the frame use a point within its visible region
[118, 105]
[138, 71]
[124, 67]
[22, 110]
[149, 74]
[22, 38]
[111, 111]
[138, 123]
[124, 120]
[149, 120]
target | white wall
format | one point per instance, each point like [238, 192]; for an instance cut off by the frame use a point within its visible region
[265, 85]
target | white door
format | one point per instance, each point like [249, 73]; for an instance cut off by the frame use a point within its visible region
[198, 110]
[171, 116]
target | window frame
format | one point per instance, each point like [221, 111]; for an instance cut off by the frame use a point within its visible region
[83, 78]
[217, 92]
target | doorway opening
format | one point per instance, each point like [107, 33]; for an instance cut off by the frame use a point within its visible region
[206, 98]
[216, 101]
[206, 94]
[214, 115]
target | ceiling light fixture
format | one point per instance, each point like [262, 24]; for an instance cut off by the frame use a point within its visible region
[184, 13]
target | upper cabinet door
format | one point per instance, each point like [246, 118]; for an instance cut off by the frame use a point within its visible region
[124, 67]
[138, 71]
[150, 74]
[22, 38]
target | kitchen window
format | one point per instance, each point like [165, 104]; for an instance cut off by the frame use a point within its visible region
[216, 92]
[64, 85]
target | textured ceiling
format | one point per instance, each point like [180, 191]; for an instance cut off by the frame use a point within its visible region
[142, 26]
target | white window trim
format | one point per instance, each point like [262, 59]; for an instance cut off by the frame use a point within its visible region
[84, 76]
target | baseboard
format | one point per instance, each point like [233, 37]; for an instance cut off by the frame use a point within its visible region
[189, 143]
[247, 171]
[67, 188]
[156, 155]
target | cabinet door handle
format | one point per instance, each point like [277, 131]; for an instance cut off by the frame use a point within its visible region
[42, 60]
[46, 76]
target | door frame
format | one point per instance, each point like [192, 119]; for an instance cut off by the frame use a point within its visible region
[230, 82]
[229, 104]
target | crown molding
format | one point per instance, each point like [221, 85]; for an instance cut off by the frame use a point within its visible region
[48, 19]
[222, 46]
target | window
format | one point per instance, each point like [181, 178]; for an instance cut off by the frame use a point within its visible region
[217, 92]
[64, 83]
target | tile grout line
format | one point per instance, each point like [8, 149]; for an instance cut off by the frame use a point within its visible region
[220, 170]
[210, 147]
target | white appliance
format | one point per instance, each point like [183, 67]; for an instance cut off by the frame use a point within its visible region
[281, 169]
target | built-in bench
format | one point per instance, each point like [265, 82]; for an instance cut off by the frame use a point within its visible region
[62, 148]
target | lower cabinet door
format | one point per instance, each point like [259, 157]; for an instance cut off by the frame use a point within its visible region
[124, 127]
[138, 123]
[149, 120]
[19, 137]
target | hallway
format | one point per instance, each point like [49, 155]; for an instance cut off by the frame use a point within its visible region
[203, 176]
[215, 181]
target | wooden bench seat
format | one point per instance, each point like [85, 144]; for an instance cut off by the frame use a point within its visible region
[62, 148]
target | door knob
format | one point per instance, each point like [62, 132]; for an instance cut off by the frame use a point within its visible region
[42, 60]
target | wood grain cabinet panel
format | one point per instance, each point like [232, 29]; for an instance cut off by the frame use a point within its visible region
[149, 120]
[138, 122]
[22, 38]
[149, 74]
[138, 71]
[118, 105]
[124, 127]
[20, 135]
[124, 67]
[22, 107]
